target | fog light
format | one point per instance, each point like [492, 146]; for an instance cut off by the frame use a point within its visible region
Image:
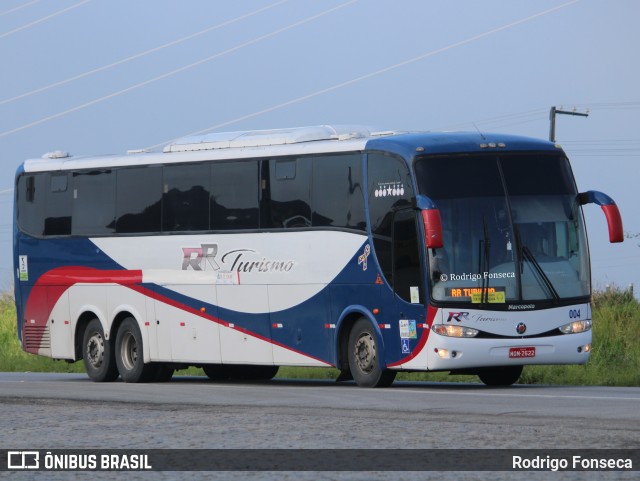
[443, 353]
[586, 348]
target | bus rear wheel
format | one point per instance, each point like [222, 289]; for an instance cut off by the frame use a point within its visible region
[129, 354]
[97, 354]
[363, 354]
[500, 376]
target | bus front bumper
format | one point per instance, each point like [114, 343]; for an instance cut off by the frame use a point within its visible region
[442, 353]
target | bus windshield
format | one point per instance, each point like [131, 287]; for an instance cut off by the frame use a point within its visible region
[512, 228]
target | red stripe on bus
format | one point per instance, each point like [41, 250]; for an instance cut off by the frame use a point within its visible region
[53, 284]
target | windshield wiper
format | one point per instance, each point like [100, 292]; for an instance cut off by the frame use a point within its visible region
[543, 279]
[484, 262]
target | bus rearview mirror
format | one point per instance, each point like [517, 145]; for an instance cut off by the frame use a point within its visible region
[610, 209]
[432, 228]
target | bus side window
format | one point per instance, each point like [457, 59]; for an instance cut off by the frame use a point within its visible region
[407, 274]
[235, 195]
[290, 192]
[31, 203]
[389, 189]
[185, 198]
[138, 200]
[337, 198]
[57, 219]
[94, 204]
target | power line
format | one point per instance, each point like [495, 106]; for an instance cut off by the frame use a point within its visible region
[178, 70]
[141, 54]
[377, 72]
[632, 105]
[44, 19]
[19, 7]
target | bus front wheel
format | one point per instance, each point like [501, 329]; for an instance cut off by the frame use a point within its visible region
[97, 354]
[500, 376]
[364, 362]
[129, 354]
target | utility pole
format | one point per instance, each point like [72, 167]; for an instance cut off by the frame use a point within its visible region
[552, 118]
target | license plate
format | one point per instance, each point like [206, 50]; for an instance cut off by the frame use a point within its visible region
[519, 352]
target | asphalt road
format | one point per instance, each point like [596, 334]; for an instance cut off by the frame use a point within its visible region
[55, 411]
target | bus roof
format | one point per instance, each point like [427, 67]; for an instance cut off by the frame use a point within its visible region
[295, 141]
[409, 144]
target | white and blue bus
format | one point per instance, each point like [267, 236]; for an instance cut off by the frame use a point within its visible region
[370, 252]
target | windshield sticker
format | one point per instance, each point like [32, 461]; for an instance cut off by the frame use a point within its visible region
[389, 189]
[490, 297]
[408, 329]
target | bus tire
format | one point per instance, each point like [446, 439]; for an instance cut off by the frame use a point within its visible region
[363, 354]
[216, 372]
[500, 376]
[129, 354]
[97, 354]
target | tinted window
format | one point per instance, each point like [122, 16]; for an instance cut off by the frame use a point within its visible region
[337, 197]
[407, 277]
[185, 200]
[234, 195]
[290, 192]
[94, 203]
[31, 202]
[139, 192]
[389, 188]
[57, 219]
[551, 176]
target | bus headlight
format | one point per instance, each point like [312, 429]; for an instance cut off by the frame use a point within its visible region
[575, 327]
[455, 331]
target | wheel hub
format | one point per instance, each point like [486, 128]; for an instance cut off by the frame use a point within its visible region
[129, 351]
[95, 350]
[365, 353]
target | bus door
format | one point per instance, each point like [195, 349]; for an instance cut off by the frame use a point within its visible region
[408, 285]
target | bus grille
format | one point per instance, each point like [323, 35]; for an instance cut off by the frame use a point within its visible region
[37, 337]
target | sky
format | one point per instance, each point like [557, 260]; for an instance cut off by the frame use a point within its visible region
[106, 76]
